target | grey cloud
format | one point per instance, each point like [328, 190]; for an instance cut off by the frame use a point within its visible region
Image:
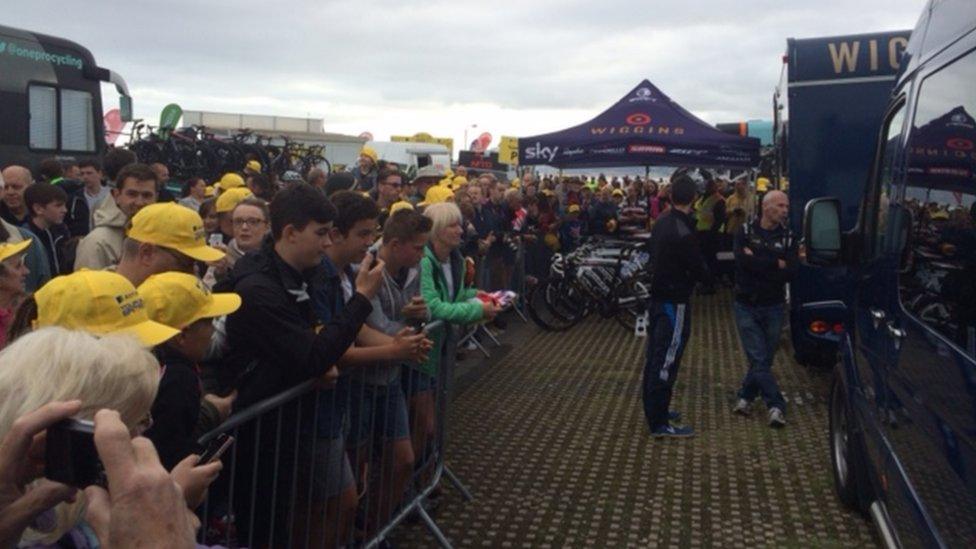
[718, 56]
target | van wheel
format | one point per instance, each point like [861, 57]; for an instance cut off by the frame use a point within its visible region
[845, 453]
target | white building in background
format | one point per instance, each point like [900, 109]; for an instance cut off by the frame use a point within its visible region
[340, 149]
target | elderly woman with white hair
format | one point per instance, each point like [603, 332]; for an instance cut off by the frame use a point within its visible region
[114, 372]
[442, 285]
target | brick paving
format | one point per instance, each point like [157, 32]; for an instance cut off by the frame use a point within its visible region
[552, 442]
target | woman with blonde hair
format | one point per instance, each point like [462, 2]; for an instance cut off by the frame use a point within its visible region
[448, 299]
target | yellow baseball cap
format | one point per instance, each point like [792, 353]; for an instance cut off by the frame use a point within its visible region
[175, 227]
[229, 200]
[516, 183]
[573, 208]
[253, 165]
[10, 249]
[210, 191]
[617, 192]
[400, 205]
[230, 180]
[436, 194]
[370, 153]
[100, 302]
[180, 299]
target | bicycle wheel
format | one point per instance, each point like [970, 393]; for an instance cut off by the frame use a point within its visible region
[545, 315]
[630, 301]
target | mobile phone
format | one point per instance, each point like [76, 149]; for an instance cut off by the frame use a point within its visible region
[216, 448]
[373, 260]
[216, 239]
[70, 456]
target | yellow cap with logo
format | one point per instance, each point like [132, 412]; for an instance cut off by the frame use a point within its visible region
[230, 180]
[229, 200]
[253, 165]
[100, 302]
[10, 249]
[180, 299]
[175, 227]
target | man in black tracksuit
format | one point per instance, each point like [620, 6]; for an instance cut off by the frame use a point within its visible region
[276, 342]
[678, 265]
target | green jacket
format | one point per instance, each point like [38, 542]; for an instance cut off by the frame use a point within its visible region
[452, 309]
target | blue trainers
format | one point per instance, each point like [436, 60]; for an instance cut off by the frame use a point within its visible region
[674, 415]
[672, 431]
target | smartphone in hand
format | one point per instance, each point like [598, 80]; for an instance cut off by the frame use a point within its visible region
[216, 448]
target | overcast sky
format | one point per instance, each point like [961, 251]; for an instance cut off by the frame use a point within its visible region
[400, 66]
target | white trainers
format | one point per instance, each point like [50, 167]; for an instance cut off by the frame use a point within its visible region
[741, 407]
[776, 418]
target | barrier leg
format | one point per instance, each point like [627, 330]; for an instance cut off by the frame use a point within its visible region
[465, 493]
[433, 528]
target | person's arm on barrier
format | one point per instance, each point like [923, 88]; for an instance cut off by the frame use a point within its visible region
[144, 506]
[374, 346]
[18, 466]
[278, 330]
[464, 312]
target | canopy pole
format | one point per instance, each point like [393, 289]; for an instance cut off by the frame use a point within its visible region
[647, 172]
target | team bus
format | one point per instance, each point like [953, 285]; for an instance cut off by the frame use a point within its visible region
[826, 121]
[50, 99]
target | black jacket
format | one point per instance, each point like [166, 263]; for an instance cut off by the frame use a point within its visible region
[55, 242]
[274, 340]
[676, 259]
[78, 218]
[176, 409]
[758, 279]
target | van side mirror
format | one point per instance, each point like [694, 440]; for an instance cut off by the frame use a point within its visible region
[821, 232]
[125, 108]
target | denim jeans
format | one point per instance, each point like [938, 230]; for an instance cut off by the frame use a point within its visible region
[759, 330]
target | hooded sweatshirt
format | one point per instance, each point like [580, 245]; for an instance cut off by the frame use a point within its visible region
[102, 247]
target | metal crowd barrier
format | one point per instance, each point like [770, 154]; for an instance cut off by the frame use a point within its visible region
[319, 467]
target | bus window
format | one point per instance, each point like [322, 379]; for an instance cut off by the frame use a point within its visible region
[77, 133]
[43, 117]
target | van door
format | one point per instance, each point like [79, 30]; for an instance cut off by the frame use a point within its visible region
[932, 324]
[875, 283]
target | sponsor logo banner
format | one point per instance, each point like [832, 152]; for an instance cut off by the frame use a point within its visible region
[646, 149]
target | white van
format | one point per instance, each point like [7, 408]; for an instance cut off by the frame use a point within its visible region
[411, 156]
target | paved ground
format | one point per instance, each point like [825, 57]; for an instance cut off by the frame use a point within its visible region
[550, 438]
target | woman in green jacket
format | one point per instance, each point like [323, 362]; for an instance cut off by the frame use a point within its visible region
[442, 286]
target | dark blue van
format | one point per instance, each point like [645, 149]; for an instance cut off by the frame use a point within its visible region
[903, 402]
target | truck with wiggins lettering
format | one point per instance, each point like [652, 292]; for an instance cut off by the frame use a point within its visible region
[826, 121]
[51, 100]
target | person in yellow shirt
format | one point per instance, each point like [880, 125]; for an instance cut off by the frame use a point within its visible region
[740, 206]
